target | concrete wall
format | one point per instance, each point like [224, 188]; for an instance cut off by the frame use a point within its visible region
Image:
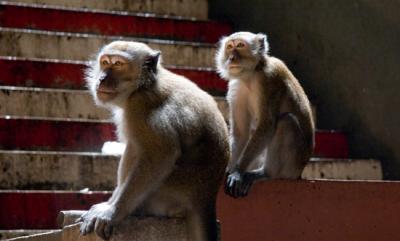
[346, 54]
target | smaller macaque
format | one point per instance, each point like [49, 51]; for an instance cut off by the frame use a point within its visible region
[271, 124]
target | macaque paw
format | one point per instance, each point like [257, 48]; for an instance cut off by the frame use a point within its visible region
[99, 218]
[238, 185]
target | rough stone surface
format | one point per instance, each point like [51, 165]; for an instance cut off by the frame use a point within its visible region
[343, 169]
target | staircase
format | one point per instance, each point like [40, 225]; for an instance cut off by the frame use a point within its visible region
[51, 133]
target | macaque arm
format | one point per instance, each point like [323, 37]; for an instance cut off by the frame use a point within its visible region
[148, 173]
[237, 142]
[255, 145]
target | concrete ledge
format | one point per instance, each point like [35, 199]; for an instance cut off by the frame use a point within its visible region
[343, 169]
[133, 229]
[313, 211]
[274, 210]
[48, 236]
[15, 233]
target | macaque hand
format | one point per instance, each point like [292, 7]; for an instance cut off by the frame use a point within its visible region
[99, 218]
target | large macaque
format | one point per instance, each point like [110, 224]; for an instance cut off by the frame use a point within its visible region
[176, 142]
[271, 125]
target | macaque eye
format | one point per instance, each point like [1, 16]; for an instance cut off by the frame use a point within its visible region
[105, 62]
[229, 46]
[118, 63]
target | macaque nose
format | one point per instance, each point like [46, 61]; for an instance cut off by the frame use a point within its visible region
[107, 79]
[234, 56]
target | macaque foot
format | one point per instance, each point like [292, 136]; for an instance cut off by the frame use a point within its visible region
[100, 219]
[238, 185]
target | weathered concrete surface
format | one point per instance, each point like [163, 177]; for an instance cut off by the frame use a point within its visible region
[61, 170]
[313, 211]
[185, 8]
[9, 234]
[47, 236]
[59, 103]
[71, 46]
[134, 229]
[49, 103]
[52, 170]
[343, 169]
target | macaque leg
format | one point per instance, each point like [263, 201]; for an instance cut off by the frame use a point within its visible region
[287, 154]
[285, 157]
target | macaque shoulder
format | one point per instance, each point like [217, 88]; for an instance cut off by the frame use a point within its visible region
[277, 68]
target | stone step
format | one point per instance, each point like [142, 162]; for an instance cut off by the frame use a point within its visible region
[52, 73]
[306, 210]
[197, 9]
[76, 171]
[32, 16]
[343, 169]
[58, 103]
[73, 46]
[54, 134]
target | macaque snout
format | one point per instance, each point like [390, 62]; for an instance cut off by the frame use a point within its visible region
[107, 88]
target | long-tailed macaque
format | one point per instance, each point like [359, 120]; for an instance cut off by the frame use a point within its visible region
[271, 125]
[176, 140]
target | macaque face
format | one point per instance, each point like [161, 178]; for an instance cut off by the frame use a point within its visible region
[238, 56]
[120, 69]
[117, 73]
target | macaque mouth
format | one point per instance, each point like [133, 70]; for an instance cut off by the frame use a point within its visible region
[234, 66]
[106, 94]
[106, 91]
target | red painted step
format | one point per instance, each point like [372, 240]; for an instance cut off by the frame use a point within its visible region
[58, 135]
[39, 209]
[279, 210]
[61, 74]
[49, 135]
[331, 143]
[109, 23]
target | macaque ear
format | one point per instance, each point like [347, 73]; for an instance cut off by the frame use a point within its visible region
[262, 43]
[151, 61]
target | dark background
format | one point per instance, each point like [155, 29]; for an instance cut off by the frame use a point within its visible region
[346, 55]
